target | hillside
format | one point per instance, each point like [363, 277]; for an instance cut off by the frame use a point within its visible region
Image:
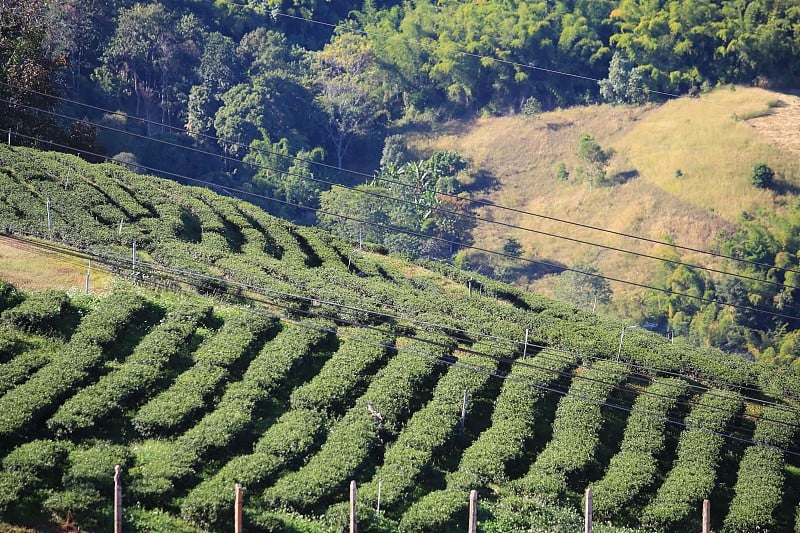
[680, 171]
[242, 348]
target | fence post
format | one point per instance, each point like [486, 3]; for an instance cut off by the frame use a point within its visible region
[587, 518]
[380, 488]
[473, 511]
[464, 411]
[525, 348]
[237, 509]
[88, 275]
[706, 516]
[353, 523]
[117, 501]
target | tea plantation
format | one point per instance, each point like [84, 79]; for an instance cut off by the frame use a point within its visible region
[243, 349]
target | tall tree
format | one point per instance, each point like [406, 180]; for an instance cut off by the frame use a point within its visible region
[26, 70]
[151, 56]
[350, 90]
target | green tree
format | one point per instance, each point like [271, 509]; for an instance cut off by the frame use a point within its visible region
[25, 66]
[151, 56]
[586, 291]
[593, 159]
[349, 90]
[762, 175]
[624, 84]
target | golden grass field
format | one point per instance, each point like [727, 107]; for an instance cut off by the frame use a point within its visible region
[32, 269]
[680, 171]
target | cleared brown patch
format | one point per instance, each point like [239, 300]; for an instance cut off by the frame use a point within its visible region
[781, 126]
[32, 269]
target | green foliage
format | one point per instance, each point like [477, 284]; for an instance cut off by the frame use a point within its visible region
[625, 84]
[40, 312]
[593, 158]
[575, 432]
[760, 484]
[761, 176]
[634, 469]
[353, 439]
[135, 377]
[288, 440]
[191, 390]
[585, 291]
[26, 403]
[694, 472]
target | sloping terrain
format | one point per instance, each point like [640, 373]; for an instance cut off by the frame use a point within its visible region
[680, 171]
[311, 362]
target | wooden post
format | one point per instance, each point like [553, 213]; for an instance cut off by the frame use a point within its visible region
[380, 489]
[117, 501]
[473, 511]
[587, 518]
[9, 136]
[134, 255]
[525, 348]
[353, 523]
[706, 516]
[120, 224]
[237, 509]
[49, 218]
[469, 284]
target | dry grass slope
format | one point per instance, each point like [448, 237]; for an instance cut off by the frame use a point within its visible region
[680, 170]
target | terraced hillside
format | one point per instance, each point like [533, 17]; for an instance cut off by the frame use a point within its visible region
[241, 348]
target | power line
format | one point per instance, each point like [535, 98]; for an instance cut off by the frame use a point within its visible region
[436, 208]
[461, 244]
[506, 360]
[482, 203]
[185, 275]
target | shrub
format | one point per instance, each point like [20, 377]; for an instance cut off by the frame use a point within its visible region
[352, 440]
[41, 312]
[24, 404]
[694, 471]
[635, 468]
[190, 391]
[135, 376]
[761, 478]
[575, 431]
[761, 176]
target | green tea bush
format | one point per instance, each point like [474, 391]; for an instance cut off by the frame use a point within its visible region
[174, 460]
[9, 295]
[635, 468]
[345, 373]
[288, 440]
[192, 389]
[694, 472]
[576, 431]
[86, 350]
[430, 428]
[353, 440]
[513, 419]
[136, 376]
[41, 312]
[759, 488]
[24, 364]
[33, 464]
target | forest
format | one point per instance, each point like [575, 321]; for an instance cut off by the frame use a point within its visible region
[303, 104]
